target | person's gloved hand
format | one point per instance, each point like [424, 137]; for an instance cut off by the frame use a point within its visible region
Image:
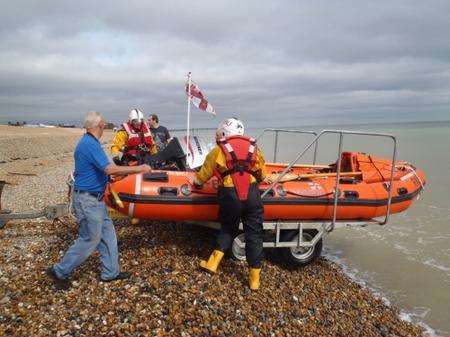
[196, 183]
[117, 160]
[268, 180]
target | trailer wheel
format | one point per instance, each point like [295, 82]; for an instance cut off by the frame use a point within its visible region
[301, 256]
[237, 252]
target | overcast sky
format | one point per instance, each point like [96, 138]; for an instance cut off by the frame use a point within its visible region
[270, 63]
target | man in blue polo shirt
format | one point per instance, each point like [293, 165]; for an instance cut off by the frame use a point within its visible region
[95, 228]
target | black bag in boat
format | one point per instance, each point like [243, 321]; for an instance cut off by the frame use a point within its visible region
[172, 154]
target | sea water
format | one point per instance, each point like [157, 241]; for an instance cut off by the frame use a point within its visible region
[407, 261]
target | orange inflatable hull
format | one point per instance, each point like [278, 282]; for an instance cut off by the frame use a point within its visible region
[168, 195]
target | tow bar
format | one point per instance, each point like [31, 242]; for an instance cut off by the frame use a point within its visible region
[51, 212]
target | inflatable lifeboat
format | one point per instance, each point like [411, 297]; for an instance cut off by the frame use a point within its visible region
[306, 192]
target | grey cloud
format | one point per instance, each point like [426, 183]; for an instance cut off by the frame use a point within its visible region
[295, 59]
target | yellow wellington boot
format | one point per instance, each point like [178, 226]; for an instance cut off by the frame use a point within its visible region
[134, 221]
[213, 261]
[254, 278]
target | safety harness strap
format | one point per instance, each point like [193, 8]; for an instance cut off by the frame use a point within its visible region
[239, 166]
[240, 162]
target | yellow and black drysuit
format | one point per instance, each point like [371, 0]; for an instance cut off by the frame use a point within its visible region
[132, 143]
[240, 166]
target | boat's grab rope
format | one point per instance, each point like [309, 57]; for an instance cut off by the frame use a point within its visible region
[418, 178]
[413, 171]
[309, 196]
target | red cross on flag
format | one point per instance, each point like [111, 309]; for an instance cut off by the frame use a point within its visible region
[198, 99]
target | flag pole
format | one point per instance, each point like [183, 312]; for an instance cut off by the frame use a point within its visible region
[188, 113]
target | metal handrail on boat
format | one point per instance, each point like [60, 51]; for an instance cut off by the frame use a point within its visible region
[192, 129]
[341, 134]
[327, 226]
[277, 131]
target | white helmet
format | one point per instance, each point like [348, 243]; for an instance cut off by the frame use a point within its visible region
[136, 114]
[230, 127]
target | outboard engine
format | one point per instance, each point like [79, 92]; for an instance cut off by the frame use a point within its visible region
[196, 151]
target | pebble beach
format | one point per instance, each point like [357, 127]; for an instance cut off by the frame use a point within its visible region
[167, 295]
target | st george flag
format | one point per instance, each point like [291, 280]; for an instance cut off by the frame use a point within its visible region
[198, 99]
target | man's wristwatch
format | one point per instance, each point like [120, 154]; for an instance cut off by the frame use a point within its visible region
[116, 160]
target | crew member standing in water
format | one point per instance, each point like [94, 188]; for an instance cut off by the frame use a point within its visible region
[239, 166]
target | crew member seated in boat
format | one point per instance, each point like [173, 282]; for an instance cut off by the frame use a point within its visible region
[160, 134]
[134, 140]
[239, 166]
[170, 154]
